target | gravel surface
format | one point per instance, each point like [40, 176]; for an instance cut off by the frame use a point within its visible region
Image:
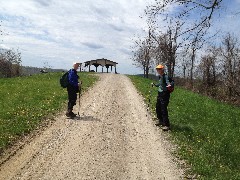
[114, 138]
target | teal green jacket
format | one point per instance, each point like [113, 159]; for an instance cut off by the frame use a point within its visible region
[162, 83]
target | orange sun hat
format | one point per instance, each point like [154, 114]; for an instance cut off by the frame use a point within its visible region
[159, 66]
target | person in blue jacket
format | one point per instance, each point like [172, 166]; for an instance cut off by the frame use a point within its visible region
[72, 89]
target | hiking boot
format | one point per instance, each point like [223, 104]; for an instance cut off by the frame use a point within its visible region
[165, 128]
[159, 124]
[67, 114]
[72, 114]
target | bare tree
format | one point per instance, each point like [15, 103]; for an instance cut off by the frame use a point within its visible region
[230, 52]
[166, 47]
[184, 62]
[142, 56]
[191, 31]
[209, 69]
[10, 62]
[201, 10]
[197, 42]
[138, 58]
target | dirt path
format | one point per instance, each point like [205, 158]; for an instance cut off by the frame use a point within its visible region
[115, 138]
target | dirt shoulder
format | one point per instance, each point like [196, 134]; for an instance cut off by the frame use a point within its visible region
[115, 138]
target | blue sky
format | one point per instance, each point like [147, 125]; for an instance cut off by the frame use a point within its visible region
[60, 32]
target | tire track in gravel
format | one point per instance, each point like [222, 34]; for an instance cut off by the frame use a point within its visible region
[114, 138]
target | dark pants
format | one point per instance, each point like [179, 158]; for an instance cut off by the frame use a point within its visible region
[161, 108]
[72, 96]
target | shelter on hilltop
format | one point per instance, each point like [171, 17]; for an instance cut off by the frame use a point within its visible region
[103, 62]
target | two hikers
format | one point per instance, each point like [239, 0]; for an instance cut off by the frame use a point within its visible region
[72, 89]
[162, 98]
[164, 89]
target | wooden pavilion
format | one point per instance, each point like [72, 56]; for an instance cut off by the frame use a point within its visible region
[103, 62]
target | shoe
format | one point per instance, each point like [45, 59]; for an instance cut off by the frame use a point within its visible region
[165, 128]
[159, 124]
[67, 114]
[72, 114]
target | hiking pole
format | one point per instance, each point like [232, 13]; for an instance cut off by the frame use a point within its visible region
[79, 95]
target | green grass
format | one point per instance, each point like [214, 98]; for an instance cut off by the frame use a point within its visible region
[26, 101]
[207, 131]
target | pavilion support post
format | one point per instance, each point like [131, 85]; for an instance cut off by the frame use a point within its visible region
[107, 66]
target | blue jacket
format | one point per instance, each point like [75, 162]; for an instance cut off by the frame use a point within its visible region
[73, 77]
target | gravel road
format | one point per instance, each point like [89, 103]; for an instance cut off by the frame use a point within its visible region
[115, 138]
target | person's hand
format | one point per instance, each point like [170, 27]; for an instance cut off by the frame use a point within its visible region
[170, 88]
[152, 84]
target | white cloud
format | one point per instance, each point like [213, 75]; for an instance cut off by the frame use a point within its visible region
[3, 46]
[61, 31]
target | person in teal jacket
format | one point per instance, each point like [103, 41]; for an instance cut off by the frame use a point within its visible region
[162, 98]
[72, 89]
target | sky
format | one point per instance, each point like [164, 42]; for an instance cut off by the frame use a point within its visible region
[56, 33]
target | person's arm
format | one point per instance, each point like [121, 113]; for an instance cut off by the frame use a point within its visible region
[156, 85]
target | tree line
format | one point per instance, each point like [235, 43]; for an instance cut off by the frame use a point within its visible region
[179, 38]
[10, 60]
[10, 63]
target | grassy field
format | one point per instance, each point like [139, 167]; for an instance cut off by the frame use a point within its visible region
[26, 101]
[206, 131]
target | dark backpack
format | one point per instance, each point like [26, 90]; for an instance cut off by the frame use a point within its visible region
[171, 88]
[64, 82]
